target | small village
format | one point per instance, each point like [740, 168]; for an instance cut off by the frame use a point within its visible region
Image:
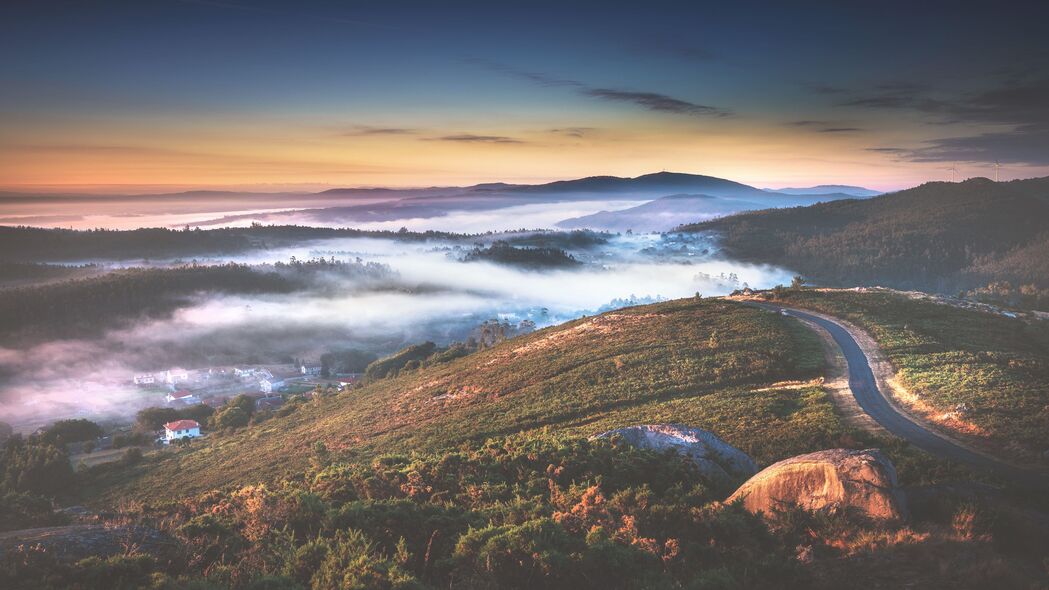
[269, 385]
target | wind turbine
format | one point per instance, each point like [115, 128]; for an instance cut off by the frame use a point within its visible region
[954, 170]
[997, 166]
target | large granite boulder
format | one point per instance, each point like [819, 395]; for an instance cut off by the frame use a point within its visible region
[833, 480]
[718, 461]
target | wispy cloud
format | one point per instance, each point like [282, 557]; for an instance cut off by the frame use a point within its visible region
[366, 130]
[572, 131]
[1023, 107]
[824, 126]
[1025, 146]
[471, 138]
[653, 101]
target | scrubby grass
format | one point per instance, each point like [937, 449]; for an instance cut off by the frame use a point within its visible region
[648, 364]
[991, 371]
[536, 510]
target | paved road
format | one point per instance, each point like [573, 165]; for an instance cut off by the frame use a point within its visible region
[873, 401]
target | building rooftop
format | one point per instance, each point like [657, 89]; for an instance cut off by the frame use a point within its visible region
[181, 425]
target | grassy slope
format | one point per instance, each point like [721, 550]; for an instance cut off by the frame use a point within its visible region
[640, 365]
[997, 366]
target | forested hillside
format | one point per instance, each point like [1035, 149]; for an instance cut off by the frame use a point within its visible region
[85, 306]
[942, 237]
[29, 244]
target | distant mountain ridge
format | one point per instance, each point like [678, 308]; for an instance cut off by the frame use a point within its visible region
[825, 189]
[349, 206]
[658, 182]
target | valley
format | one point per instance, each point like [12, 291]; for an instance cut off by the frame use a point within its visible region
[284, 402]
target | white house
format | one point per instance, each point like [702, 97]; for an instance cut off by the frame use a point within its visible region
[272, 381]
[176, 375]
[310, 369]
[146, 379]
[180, 429]
[182, 397]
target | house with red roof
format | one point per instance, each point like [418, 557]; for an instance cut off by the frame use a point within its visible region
[180, 429]
[182, 397]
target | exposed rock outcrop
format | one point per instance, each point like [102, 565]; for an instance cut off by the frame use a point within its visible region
[78, 541]
[718, 461]
[835, 479]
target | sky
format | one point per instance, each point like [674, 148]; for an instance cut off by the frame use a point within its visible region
[314, 94]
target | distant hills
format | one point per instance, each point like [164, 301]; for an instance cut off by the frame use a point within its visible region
[666, 213]
[661, 214]
[350, 206]
[939, 236]
[689, 197]
[661, 183]
[827, 189]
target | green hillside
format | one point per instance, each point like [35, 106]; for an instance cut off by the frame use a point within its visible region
[478, 473]
[699, 362]
[940, 236]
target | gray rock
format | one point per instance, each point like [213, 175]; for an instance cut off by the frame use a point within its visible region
[718, 461]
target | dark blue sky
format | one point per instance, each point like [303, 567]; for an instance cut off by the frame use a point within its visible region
[211, 92]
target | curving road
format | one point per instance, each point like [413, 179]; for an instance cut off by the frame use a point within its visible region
[875, 403]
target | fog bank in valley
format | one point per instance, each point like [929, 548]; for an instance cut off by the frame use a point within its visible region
[423, 292]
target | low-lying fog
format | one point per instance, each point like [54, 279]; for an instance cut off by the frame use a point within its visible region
[422, 292]
[457, 221]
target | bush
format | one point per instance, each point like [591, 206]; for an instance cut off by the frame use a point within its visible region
[19, 510]
[67, 431]
[153, 419]
[243, 401]
[536, 553]
[114, 573]
[391, 365]
[231, 417]
[132, 456]
[351, 561]
[34, 466]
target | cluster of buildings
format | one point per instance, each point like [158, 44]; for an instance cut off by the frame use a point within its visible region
[216, 385]
[213, 386]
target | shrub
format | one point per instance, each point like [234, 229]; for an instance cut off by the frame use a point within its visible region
[351, 561]
[114, 573]
[232, 417]
[132, 456]
[536, 553]
[34, 466]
